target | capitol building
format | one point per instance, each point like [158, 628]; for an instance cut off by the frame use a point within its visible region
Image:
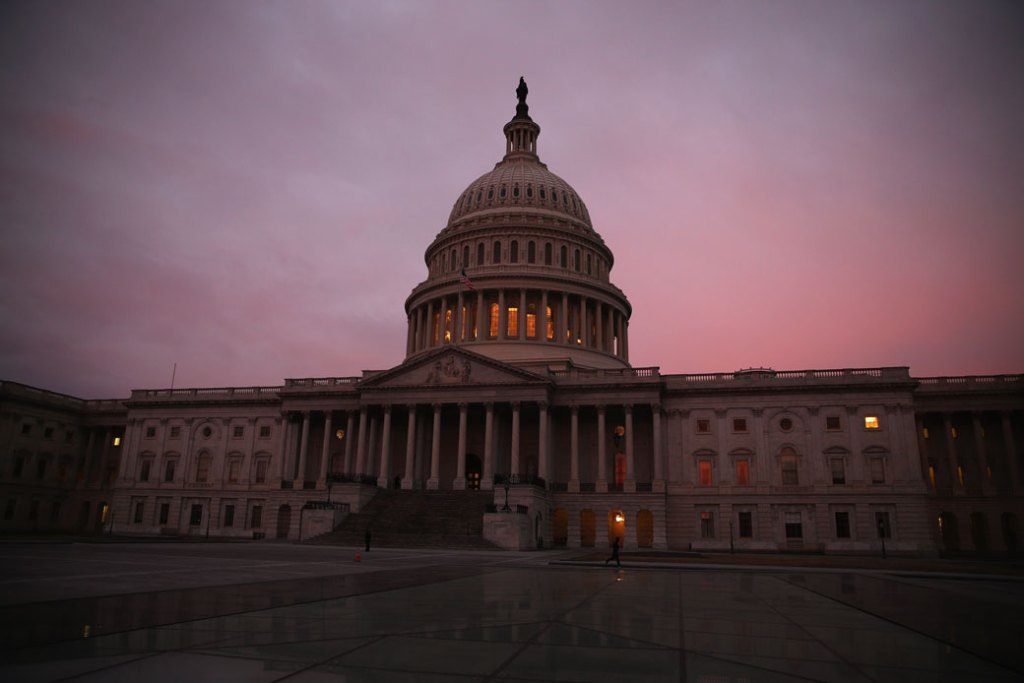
[517, 389]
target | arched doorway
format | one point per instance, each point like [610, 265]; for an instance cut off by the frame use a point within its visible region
[645, 529]
[616, 526]
[473, 469]
[588, 528]
[1008, 521]
[949, 531]
[560, 527]
[979, 531]
[284, 520]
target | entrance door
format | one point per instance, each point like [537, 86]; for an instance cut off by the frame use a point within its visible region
[473, 469]
[284, 520]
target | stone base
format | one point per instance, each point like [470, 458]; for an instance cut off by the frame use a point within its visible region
[509, 531]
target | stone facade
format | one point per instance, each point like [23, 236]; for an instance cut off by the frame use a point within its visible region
[517, 379]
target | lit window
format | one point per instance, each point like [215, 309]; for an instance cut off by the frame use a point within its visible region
[513, 321]
[551, 325]
[703, 426]
[531, 321]
[117, 441]
[339, 434]
[870, 422]
[448, 326]
[463, 323]
[493, 326]
[960, 475]
[952, 432]
[704, 469]
[743, 472]
[924, 432]
[931, 475]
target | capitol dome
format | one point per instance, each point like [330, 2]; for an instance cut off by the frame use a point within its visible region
[518, 273]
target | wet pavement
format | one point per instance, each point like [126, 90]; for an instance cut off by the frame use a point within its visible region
[269, 612]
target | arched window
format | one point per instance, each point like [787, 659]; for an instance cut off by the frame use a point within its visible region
[503, 191]
[531, 321]
[513, 252]
[490, 193]
[492, 330]
[564, 254]
[496, 252]
[531, 252]
[480, 254]
[551, 325]
[547, 253]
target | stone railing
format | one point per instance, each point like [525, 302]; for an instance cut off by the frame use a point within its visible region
[313, 382]
[606, 375]
[971, 383]
[209, 392]
[24, 391]
[758, 375]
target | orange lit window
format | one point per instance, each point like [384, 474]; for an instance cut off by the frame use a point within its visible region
[448, 326]
[493, 327]
[513, 321]
[742, 472]
[931, 476]
[704, 469]
[117, 441]
[870, 422]
[531, 325]
[960, 475]
[462, 325]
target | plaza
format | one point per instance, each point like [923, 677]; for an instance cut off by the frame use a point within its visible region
[175, 611]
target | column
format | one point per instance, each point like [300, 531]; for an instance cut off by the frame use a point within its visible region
[947, 427]
[286, 428]
[563, 315]
[914, 453]
[384, 473]
[410, 334]
[349, 428]
[542, 447]
[574, 450]
[361, 445]
[602, 451]
[410, 449]
[625, 338]
[630, 484]
[685, 460]
[487, 479]
[459, 483]
[250, 451]
[618, 335]
[442, 325]
[821, 469]
[659, 468]
[481, 319]
[429, 336]
[598, 318]
[421, 328]
[435, 450]
[457, 320]
[123, 465]
[979, 448]
[325, 452]
[371, 445]
[300, 476]
[763, 459]
[542, 333]
[856, 474]
[522, 314]
[514, 461]
[1011, 451]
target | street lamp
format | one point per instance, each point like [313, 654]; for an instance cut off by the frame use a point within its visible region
[507, 485]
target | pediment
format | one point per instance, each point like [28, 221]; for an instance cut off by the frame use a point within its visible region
[452, 367]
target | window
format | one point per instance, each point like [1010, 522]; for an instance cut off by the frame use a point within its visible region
[144, 470]
[563, 259]
[785, 424]
[465, 257]
[19, 465]
[238, 432]
[531, 321]
[165, 511]
[931, 473]
[703, 426]
[261, 471]
[513, 321]
[264, 431]
[924, 432]
[547, 253]
[704, 472]
[838, 471]
[195, 517]
[69, 436]
[790, 475]
[496, 253]
[229, 515]
[877, 467]
[48, 433]
[832, 423]
[492, 330]
[256, 517]
[26, 429]
[743, 472]
[746, 525]
[139, 507]
[739, 424]
[882, 525]
[150, 432]
[531, 252]
[550, 325]
[480, 254]
[207, 432]
[40, 469]
[707, 525]
[169, 471]
[871, 422]
[33, 510]
[203, 468]
[233, 467]
[116, 441]
[842, 525]
[176, 432]
[794, 527]
[513, 252]
[576, 260]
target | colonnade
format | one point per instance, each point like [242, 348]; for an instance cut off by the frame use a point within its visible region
[978, 447]
[519, 314]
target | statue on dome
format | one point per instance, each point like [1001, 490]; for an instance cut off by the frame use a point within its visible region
[522, 109]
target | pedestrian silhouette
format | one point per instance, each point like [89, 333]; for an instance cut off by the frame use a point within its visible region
[615, 553]
[367, 539]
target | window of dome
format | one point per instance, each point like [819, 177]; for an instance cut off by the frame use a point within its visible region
[531, 252]
[529, 191]
[515, 191]
[554, 195]
[479, 195]
[513, 252]
[496, 253]
[543, 194]
[503, 192]
[564, 257]
[490, 193]
[574, 202]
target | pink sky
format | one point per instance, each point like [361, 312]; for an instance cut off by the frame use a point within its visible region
[247, 189]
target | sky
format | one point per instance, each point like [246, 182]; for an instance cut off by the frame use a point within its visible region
[234, 193]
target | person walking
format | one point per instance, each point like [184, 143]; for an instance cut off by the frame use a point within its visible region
[367, 539]
[615, 553]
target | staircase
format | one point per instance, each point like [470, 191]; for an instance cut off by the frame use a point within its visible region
[416, 519]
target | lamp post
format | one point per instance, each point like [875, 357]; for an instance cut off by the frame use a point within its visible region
[507, 485]
[732, 549]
